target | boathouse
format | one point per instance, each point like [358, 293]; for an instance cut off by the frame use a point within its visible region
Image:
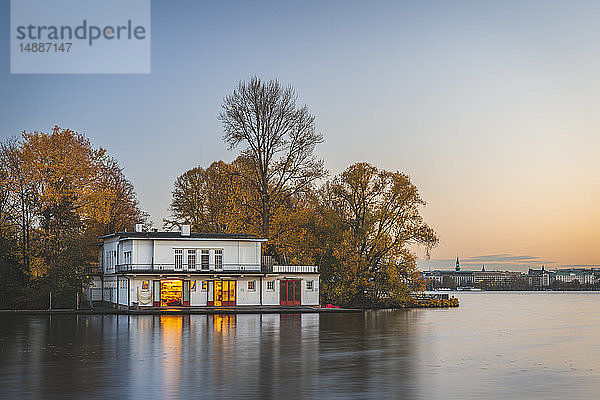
[187, 269]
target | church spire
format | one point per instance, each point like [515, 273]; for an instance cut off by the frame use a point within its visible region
[457, 268]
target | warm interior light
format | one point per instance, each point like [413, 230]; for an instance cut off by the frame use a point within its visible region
[170, 292]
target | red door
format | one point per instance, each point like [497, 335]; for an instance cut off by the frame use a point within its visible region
[289, 293]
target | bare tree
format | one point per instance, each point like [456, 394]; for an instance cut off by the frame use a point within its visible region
[279, 140]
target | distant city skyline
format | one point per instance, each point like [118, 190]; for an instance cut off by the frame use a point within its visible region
[490, 107]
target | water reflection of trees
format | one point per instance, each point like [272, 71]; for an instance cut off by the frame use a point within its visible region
[257, 356]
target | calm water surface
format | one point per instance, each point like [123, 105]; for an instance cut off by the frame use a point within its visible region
[495, 346]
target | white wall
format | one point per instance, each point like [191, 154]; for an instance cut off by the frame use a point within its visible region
[143, 253]
[245, 296]
[198, 298]
[271, 297]
[237, 255]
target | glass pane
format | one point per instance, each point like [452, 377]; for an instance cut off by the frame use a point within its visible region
[232, 291]
[297, 287]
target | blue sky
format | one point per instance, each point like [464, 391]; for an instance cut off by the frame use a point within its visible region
[492, 108]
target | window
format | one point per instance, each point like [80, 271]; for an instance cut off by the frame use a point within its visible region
[251, 286]
[270, 285]
[127, 257]
[191, 261]
[178, 259]
[144, 285]
[204, 260]
[218, 259]
[205, 286]
[309, 285]
[192, 286]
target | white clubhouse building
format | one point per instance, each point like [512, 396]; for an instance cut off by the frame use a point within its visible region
[184, 269]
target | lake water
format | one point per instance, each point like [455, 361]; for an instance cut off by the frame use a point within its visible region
[494, 346]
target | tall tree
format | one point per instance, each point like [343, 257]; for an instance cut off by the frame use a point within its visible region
[278, 139]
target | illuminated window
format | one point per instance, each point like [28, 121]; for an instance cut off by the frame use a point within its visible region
[204, 259]
[191, 260]
[218, 259]
[309, 285]
[251, 286]
[270, 285]
[204, 286]
[144, 285]
[192, 286]
[178, 258]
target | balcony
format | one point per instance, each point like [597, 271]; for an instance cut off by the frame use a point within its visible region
[210, 269]
[172, 268]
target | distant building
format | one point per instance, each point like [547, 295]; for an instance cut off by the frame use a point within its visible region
[538, 278]
[435, 279]
[495, 278]
[582, 275]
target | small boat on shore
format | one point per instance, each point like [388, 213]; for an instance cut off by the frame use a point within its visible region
[468, 289]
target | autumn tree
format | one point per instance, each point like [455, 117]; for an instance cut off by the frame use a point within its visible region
[217, 199]
[59, 193]
[278, 140]
[374, 216]
[213, 200]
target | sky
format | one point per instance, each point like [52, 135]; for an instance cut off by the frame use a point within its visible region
[491, 107]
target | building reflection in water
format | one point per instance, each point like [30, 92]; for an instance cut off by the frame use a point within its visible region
[212, 356]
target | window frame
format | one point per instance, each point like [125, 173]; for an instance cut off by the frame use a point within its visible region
[204, 256]
[191, 254]
[178, 264]
[219, 257]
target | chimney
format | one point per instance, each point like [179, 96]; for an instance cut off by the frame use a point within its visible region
[139, 227]
[185, 230]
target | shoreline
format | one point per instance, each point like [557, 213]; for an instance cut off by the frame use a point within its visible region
[185, 311]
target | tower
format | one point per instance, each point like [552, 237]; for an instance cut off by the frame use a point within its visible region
[457, 268]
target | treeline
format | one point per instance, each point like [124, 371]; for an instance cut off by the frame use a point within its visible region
[58, 194]
[357, 227]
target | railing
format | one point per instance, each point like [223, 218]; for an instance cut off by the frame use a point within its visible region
[298, 269]
[185, 268]
[267, 263]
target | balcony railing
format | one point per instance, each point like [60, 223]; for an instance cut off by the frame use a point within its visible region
[185, 268]
[212, 268]
[298, 269]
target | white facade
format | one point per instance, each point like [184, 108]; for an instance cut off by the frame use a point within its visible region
[582, 277]
[165, 269]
